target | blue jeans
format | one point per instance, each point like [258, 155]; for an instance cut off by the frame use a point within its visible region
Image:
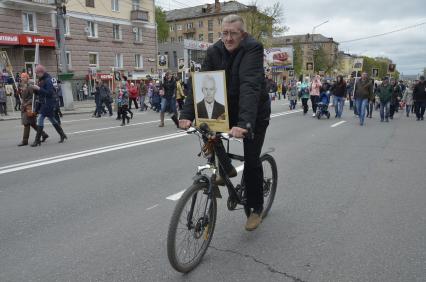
[339, 103]
[169, 104]
[41, 117]
[361, 105]
[384, 110]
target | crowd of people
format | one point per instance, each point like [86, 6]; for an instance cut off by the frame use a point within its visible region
[364, 95]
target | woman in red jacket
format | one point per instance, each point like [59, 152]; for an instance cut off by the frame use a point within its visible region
[133, 95]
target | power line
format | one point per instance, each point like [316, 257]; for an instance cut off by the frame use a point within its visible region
[385, 33]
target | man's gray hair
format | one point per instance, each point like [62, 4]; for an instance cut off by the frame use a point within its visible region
[209, 77]
[234, 18]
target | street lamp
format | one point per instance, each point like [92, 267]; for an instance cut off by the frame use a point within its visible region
[313, 32]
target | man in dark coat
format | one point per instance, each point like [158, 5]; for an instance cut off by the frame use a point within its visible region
[46, 98]
[241, 56]
[419, 97]
[208, 107]
[168, 101]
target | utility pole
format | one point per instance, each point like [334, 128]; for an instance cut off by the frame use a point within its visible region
[63, 74]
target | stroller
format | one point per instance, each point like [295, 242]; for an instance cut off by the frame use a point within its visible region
[322, 106]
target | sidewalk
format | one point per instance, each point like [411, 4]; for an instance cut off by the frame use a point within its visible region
[80, 107]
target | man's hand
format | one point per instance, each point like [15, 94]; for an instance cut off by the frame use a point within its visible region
[184, 124]
[238, 132]
[36, 87]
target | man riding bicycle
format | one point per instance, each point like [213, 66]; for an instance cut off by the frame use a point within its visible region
[241, 56]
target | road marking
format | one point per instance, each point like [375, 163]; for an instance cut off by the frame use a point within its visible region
[176, 196]
[112, 127]
[338, 123]
[86, 153]
[153, 207]
[285, 113]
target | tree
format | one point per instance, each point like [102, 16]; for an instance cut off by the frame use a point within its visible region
[262, 24]
[320, 60]
[162, 25]
[297, 58]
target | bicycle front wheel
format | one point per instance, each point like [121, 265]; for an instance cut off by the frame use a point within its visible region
[191, 228]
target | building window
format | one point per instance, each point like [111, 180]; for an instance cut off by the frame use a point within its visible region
[211, 37]
[179, 27]
[116, 32]
[172, 27]
[189, 25]
[138, 34]
[114, 6]
[90, 3]
[67, 26]
[135, 5]
[92, 29]
[94, 59]
[175, 59]
[200, 23]
[172, 39]
[210, 25]
[29, 22]
[219, 21]
[69, 63]
[118, 60]
[200, 37]
[180, 38]
[139, 61]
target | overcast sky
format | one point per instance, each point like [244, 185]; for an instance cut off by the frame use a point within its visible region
[354, 19]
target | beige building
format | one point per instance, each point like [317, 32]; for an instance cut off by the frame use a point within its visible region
[310, 44]
[101, 35]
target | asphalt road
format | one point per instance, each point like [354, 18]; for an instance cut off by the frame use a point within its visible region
[349, 207]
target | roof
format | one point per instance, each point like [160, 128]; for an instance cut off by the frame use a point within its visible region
[197, 11]
[303, 38]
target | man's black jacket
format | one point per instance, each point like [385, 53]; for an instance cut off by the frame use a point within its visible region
[248, 101]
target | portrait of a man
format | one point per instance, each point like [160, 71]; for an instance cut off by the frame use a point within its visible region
[209, 108]
[309, 66]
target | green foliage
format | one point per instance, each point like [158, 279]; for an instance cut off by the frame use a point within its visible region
[297, 58]
[263, 23]
[378, 63]
[162, 25]
[320, 60]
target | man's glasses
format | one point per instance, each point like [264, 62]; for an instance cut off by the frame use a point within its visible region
[232, 34]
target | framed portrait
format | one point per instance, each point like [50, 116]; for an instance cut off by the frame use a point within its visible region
[391, 68]
[291, 73]
[210, 100]
[309, 66]
[374, 72]
[162, 61]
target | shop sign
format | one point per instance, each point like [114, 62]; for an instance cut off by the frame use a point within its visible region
[196, 45]
[32, 40]
[104, 76]
[9, 39]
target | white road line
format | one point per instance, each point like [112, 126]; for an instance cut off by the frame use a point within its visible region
[86, 153]
[338, 123]
[112, 127]
[176, 196]
[153, 207]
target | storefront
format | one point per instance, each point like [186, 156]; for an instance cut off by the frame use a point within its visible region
[22, 52]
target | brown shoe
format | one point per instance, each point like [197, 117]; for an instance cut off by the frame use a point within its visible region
[253, 221]
[219, 179]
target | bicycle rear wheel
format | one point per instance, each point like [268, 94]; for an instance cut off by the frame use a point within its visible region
[191, 228]
[270, 178]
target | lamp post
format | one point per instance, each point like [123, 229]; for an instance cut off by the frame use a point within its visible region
[313, 32]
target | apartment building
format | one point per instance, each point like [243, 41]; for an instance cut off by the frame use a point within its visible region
[101, 35]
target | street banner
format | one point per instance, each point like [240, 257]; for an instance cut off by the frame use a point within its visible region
[375, 72]
[391, 68]
[278, 57]
[162, 62]
[357, 65]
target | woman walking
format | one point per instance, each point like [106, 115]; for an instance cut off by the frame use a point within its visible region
[407, 98]
[28, 115]
[315, 93]
[339, 92]
[304, 94]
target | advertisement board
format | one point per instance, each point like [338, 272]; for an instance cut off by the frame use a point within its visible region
[278, 57]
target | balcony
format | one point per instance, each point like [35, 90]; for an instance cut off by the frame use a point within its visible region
[139, 16]
[189, 30]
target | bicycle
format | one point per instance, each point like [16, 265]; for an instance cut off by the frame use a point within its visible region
[195, 213]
